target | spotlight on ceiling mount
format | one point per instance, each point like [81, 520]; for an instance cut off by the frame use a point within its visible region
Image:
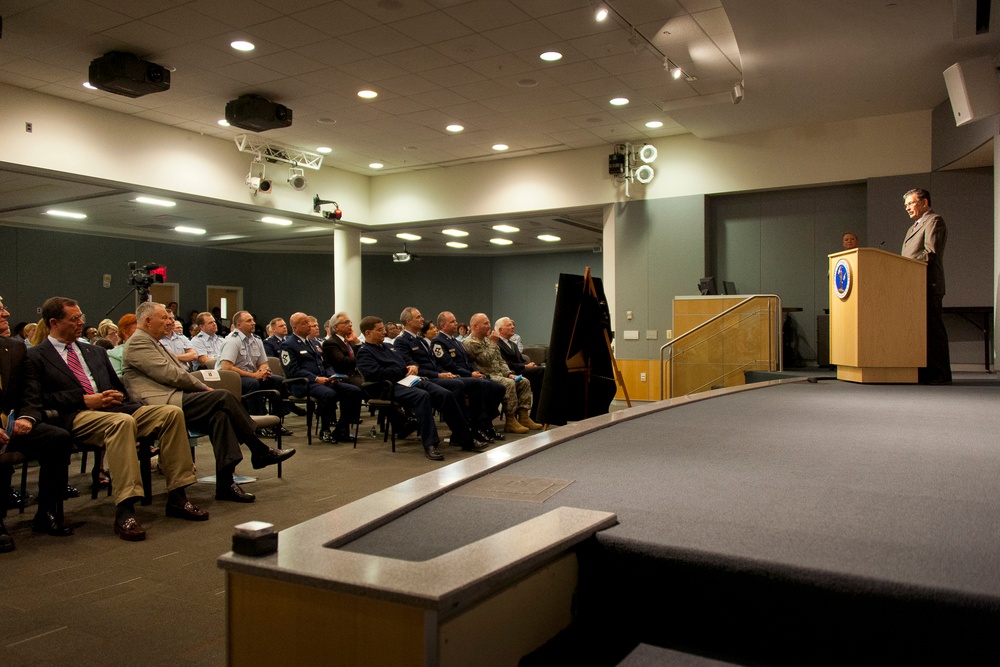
[257, 182]
[297, 178]
[402, 256]
[335, 214]
[624, 165]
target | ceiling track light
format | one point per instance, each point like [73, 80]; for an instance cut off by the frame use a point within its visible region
[257, 183]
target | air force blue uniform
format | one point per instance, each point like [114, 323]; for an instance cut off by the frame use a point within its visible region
[302, 360]
[485, 395]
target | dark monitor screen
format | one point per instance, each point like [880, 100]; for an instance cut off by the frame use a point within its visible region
[707, 285]
[729, 287]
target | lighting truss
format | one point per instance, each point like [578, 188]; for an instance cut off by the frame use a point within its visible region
[275, 152]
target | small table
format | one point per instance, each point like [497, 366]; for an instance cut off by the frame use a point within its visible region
[980, 317]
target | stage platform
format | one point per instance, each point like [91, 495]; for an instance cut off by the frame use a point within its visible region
[790, 522]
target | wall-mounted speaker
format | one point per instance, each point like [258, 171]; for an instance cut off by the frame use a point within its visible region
[973, 89]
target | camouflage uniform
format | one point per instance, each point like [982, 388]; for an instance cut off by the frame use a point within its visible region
[486, 356]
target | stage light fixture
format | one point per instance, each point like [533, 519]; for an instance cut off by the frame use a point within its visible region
[647, 153]
[644, 174]
[335, 214]
[297, 178]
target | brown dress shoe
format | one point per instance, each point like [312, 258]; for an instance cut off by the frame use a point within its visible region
[130, 530]
[188, 511]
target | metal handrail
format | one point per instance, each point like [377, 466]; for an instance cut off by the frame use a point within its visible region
[776, 327]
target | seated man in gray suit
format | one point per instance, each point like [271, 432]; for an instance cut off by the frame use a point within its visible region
[154, 376]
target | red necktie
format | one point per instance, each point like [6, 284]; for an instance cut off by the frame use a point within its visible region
[74, 365]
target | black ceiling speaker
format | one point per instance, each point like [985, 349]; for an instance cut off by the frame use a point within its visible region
[127, 74]
[258, 114]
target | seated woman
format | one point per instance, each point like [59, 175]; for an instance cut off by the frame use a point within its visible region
[126, 327]
[108, 330]
[41, 333]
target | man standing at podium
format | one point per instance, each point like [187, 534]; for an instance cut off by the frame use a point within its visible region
[925, 242]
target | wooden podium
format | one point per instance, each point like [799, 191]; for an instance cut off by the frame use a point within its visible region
[878, 330]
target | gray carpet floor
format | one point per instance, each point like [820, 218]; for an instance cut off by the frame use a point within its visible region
[895, 483]
[92, 599]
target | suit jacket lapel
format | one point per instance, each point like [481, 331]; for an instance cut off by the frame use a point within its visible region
[50, 354]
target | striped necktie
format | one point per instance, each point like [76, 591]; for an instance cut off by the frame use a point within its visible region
[74, 365]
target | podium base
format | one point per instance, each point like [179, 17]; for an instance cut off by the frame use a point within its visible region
[877, 375]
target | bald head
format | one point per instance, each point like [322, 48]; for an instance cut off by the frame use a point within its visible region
[300, 324]
[479, 325]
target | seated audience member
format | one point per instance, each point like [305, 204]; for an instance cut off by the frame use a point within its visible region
[177, 343]
[314, 337]
[272, 344]
[155, 377]
[391, 332]
[484, 353]
[104, 344]
[463, 332]
[517, 362]
[126, 327]
[340, 351]
[173, 308]
[302, 359]
[428, 331]
[17, 333]
[222, 327]
[378, 361]
[243, 353]
[88, 334]
[108, 330]
[49, 444]
[192, 321]
[415, 351]
[208, 344]
[485, 395]
[76, 381]
[40, 334]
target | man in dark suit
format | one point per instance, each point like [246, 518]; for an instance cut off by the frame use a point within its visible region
[45, 442]
[340, 350]
[924, 242]
[77, 382]
[516, 361]
[303, 359]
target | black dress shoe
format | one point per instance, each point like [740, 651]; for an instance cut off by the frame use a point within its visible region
[235, 493]
[6, 541]
[481, 434]
[271, 457]
[494, 434]
[327, 436]
[433, 453]
[130, 530]
[50, 525]
[188, 511]
[343, 436]
[72, 492]
[476, 445]
[286, 431]
[408, 428]
[265, 433]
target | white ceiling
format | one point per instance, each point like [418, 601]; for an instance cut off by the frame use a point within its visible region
[435, 62]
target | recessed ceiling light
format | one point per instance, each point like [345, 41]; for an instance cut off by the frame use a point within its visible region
[87, 84]
[455, 128]
[367, 94]
[457, 244]
[271, 220]
[549, 238]
[66, 214]
[653, 124]
[367, 240]
[326, 120]
[506, 229]
[324, 150]
[155, 202]
[455, 232]
[376, 165]
[527, 83]
[224, 122]
[242, 45]
[227, 237]
[500, 147]
[313, 229]
[601, 12]
[189, 230]
[406, 236]
[619, 101]
[551, 56]
[501, 241]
